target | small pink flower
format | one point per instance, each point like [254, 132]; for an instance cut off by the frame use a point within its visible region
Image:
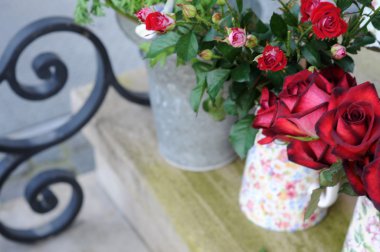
[237, 37]
[143, 13]
[338, 51]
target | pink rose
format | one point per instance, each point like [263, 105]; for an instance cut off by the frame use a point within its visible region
[338, 51]
[143, 13]
[237, 37]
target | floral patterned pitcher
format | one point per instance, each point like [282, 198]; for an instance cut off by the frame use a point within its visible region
[275, 192]
[364, 232]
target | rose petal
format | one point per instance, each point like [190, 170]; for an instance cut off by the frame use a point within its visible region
[371, 179]
[301, 153]
[325, 126]
[307, 121]
[354, 177]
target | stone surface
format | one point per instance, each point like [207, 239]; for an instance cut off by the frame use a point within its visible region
[99, 226]
[171, 208]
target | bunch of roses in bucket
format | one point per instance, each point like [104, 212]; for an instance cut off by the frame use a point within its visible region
[331, 124]
[230, 48]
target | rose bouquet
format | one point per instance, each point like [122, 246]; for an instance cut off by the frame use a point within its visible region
[230, 48]
[332, 125]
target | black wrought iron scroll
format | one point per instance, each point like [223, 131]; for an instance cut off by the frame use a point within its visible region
[53, 72]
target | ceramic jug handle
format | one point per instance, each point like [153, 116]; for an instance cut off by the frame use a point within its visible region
[329, 197]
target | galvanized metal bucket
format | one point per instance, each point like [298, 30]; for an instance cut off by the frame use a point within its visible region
[191, 141]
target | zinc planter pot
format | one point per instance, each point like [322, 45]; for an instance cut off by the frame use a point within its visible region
[187, 140]
[364, 232]
[275, 192]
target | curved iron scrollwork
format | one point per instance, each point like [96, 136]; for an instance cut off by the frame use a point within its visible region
[53, 72]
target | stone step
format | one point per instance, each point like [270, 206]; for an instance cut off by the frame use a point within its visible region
[99, 227]
[175, 210]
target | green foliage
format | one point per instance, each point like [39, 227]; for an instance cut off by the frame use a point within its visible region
[376, 20]
[215, 109]
[85, 9]
[331, 176]
[343, 4]
[313, 204]
[163, 43]
[278, 26]
[242, 135]
[187, 47]
[215, 81]
[347, 64]
[241, 73]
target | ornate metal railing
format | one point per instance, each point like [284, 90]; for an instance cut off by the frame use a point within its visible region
[53, 72]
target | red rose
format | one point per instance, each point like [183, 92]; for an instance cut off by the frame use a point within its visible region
[267, 117]
[327, 21]
[307, 7]
[273, 59]
[306, 96]
[314, 154]
[339, 77]
[364, 176]
[354, 173]
[159, 22]
[352, 124]
[143, 13]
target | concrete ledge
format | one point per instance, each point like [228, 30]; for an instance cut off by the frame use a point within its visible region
[175, 210]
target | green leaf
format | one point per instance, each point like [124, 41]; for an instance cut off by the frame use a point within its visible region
[278, 26]
[229, 52]
[347, 64]
[215, 81]
[344, 4]
[360, 41]
[230, 107]
[347, 189]
[332, 175]
[311, 55]
[162, 43]
[239, 3]
[197, 94]
[290, 19]
[187, 47]
[242, 135]
[313, 203]
[376, 21]
[211, 35]
[249, 21]
[241, 73]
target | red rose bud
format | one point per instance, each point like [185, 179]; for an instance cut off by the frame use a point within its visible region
[352, 124]
[159, 22]
[327, 21]
[206, 54]
[237, 37]
[216, 18]
[143, 13]
[273, 59]
[307, 7]
[338, 52]
[251, 41]
[188, 10]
